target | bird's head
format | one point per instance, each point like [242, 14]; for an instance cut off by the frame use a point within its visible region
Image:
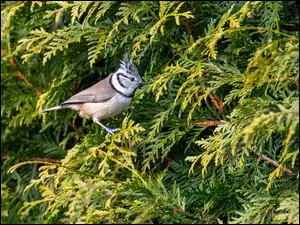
[127, 78]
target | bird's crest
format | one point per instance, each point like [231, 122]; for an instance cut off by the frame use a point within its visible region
[128, 65]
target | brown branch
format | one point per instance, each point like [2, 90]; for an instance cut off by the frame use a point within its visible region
[214, 100]
[176, 210]
[22, 76]
[274, 163]
[56, 161]
[207, 123]
[203, 123]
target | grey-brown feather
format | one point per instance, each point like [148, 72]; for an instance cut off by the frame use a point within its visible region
[99, 92]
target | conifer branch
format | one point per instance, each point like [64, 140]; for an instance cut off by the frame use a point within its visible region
[281, 79]
[148, 7]
[213, 99]
[208, 123]
[274, 163]
[22, 77]
[56, 161]
[13, 168]
[143, 175]
[211, 123]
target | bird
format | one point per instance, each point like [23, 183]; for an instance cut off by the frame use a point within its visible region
[108, 97]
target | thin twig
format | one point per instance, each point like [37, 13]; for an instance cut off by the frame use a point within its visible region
[274, 163]
[211, 123]
[214, 100]
[22, 76]
[207, 123]
[56, 161]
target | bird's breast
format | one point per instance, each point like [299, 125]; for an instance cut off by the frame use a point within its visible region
[103, 110]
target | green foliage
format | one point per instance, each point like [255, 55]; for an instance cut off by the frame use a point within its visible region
[213, 137]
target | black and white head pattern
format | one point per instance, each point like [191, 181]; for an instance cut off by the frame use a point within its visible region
[126, 79]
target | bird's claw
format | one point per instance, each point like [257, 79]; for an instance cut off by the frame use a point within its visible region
[116, 129]
[111, 131]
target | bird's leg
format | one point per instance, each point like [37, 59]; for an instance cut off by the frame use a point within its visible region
[108, 130]
[116, 129]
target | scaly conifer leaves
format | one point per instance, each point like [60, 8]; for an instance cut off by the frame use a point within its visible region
[212, 138]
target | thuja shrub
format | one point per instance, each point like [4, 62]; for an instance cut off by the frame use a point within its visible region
[212, 138]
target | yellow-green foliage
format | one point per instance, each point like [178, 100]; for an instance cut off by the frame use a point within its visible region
[213, 137]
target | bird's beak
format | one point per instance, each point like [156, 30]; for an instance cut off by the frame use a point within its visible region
[143, 83]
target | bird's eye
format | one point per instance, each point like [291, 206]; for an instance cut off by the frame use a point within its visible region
[132, 79]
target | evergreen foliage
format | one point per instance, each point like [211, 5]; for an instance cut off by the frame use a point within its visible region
[212, 138]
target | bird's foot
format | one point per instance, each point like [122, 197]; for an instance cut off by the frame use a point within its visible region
[108, 130]
[111, 131]
[116, 129]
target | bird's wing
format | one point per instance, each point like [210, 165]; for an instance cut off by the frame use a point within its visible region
[99, 92]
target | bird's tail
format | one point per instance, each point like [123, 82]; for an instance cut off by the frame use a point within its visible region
[53, 108]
